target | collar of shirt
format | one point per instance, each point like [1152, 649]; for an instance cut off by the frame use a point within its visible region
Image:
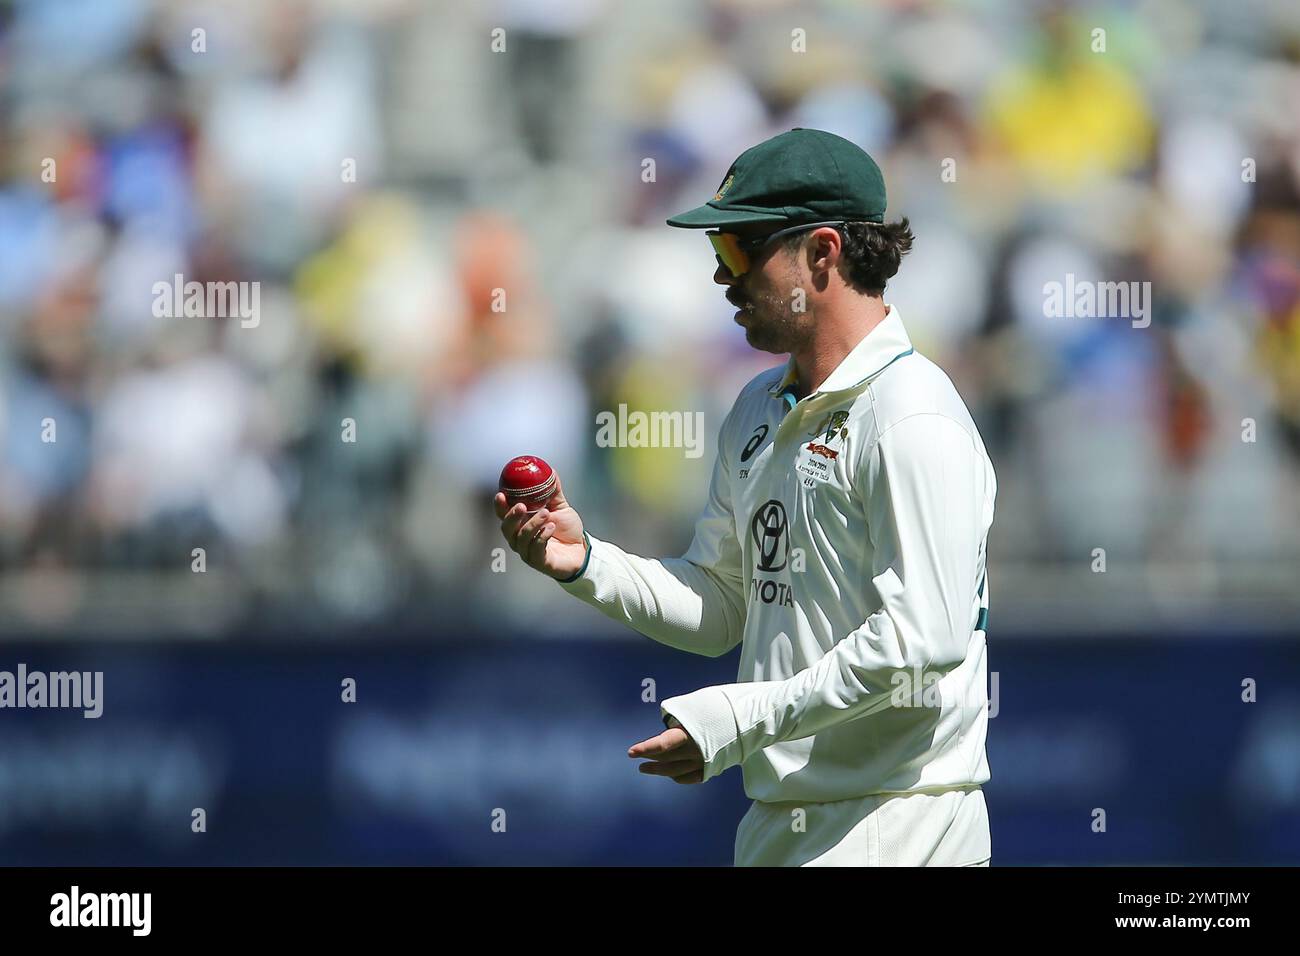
[879, 348]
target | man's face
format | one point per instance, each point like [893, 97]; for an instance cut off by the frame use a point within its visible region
[765, 297]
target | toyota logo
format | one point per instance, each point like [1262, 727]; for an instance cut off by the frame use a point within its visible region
[768, 529]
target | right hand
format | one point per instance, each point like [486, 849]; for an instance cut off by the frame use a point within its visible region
[551, 540]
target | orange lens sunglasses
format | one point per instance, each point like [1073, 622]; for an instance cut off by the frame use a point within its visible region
[737, 255]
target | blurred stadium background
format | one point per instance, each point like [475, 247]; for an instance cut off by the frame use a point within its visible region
[1173, 157]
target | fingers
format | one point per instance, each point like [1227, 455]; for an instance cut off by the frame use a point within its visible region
[536, 551]
[679, 771]
[669, 758]
[512, 517]
[526, 534]
[502, 505]
[657, 746]
[558, 500]
[670, 768]
[526, 526]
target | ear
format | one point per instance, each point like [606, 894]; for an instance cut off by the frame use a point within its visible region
[827, 241]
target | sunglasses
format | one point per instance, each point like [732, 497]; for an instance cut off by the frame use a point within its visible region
[737, 254]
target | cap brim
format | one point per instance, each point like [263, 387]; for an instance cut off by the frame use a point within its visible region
[710, 217]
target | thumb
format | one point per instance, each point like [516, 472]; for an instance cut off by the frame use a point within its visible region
[558, 500]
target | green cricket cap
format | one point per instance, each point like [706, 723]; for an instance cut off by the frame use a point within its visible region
[804, 175]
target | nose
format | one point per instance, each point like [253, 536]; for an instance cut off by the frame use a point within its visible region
[723, 276]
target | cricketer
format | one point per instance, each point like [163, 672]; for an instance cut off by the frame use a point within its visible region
[842, 545]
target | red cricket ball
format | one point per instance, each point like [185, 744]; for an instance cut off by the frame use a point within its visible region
[528, 479]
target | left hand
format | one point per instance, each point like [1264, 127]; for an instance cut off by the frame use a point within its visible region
[671, 754]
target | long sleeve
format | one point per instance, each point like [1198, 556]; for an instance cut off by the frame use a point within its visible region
[928, 492]
[696, 602]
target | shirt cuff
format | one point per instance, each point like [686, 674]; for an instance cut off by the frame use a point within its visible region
[707, 716]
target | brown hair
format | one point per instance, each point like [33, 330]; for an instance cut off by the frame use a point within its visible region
[872, 253]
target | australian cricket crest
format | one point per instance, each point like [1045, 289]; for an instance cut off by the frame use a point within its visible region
[815, 461]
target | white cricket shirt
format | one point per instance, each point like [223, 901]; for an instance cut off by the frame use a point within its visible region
[843, 546]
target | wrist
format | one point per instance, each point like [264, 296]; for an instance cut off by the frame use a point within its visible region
[586, 559]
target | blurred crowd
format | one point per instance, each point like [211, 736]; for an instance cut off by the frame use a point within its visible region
[454, 217]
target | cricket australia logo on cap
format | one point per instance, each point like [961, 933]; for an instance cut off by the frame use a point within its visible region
[726, 184]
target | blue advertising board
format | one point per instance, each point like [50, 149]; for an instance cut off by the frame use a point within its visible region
[506, 752]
